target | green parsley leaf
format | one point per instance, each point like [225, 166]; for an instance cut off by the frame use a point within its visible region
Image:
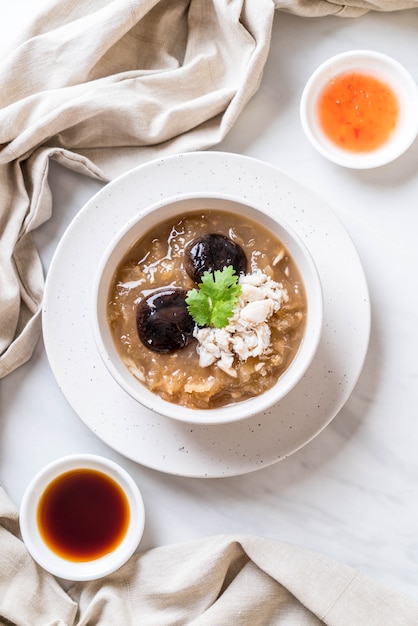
[214, 302]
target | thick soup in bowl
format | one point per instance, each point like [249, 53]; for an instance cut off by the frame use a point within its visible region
[208, 309]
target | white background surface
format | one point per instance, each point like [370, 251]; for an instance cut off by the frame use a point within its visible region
[352, 493]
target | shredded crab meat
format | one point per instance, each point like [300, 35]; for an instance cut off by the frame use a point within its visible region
[247, 333]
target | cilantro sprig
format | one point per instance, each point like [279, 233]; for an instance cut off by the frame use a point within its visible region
[213, 303]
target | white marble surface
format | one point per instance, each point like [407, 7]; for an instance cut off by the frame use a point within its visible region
[352, 493]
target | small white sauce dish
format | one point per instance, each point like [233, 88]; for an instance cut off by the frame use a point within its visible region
[383, 68]
[182, 205]
[30, 519]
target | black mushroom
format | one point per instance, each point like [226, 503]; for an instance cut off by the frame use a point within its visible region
[163, 321]
[213, 252]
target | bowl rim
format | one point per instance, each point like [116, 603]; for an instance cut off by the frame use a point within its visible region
[406, 89]
[45, 556]
[232, 412]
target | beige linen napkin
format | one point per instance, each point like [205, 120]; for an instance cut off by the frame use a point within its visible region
[215, 581]
[101, 86]
[342, 8]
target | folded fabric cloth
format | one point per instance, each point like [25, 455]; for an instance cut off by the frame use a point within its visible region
[100, 86]
[342, 8]
[227, 579]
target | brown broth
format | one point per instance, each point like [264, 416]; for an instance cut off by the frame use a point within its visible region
[83, 515]
[157, 261]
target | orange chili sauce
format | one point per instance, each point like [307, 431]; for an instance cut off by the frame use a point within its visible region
[358, 112]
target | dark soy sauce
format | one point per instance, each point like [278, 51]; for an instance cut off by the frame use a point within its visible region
[83, 515]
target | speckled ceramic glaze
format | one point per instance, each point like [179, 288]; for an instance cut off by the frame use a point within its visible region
[205, 450]
[183, 204]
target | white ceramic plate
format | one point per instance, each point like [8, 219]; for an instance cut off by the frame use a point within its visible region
[165, 444]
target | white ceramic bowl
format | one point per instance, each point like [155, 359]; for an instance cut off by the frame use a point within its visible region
[181, 205]
[45, 555]
[388, 71]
